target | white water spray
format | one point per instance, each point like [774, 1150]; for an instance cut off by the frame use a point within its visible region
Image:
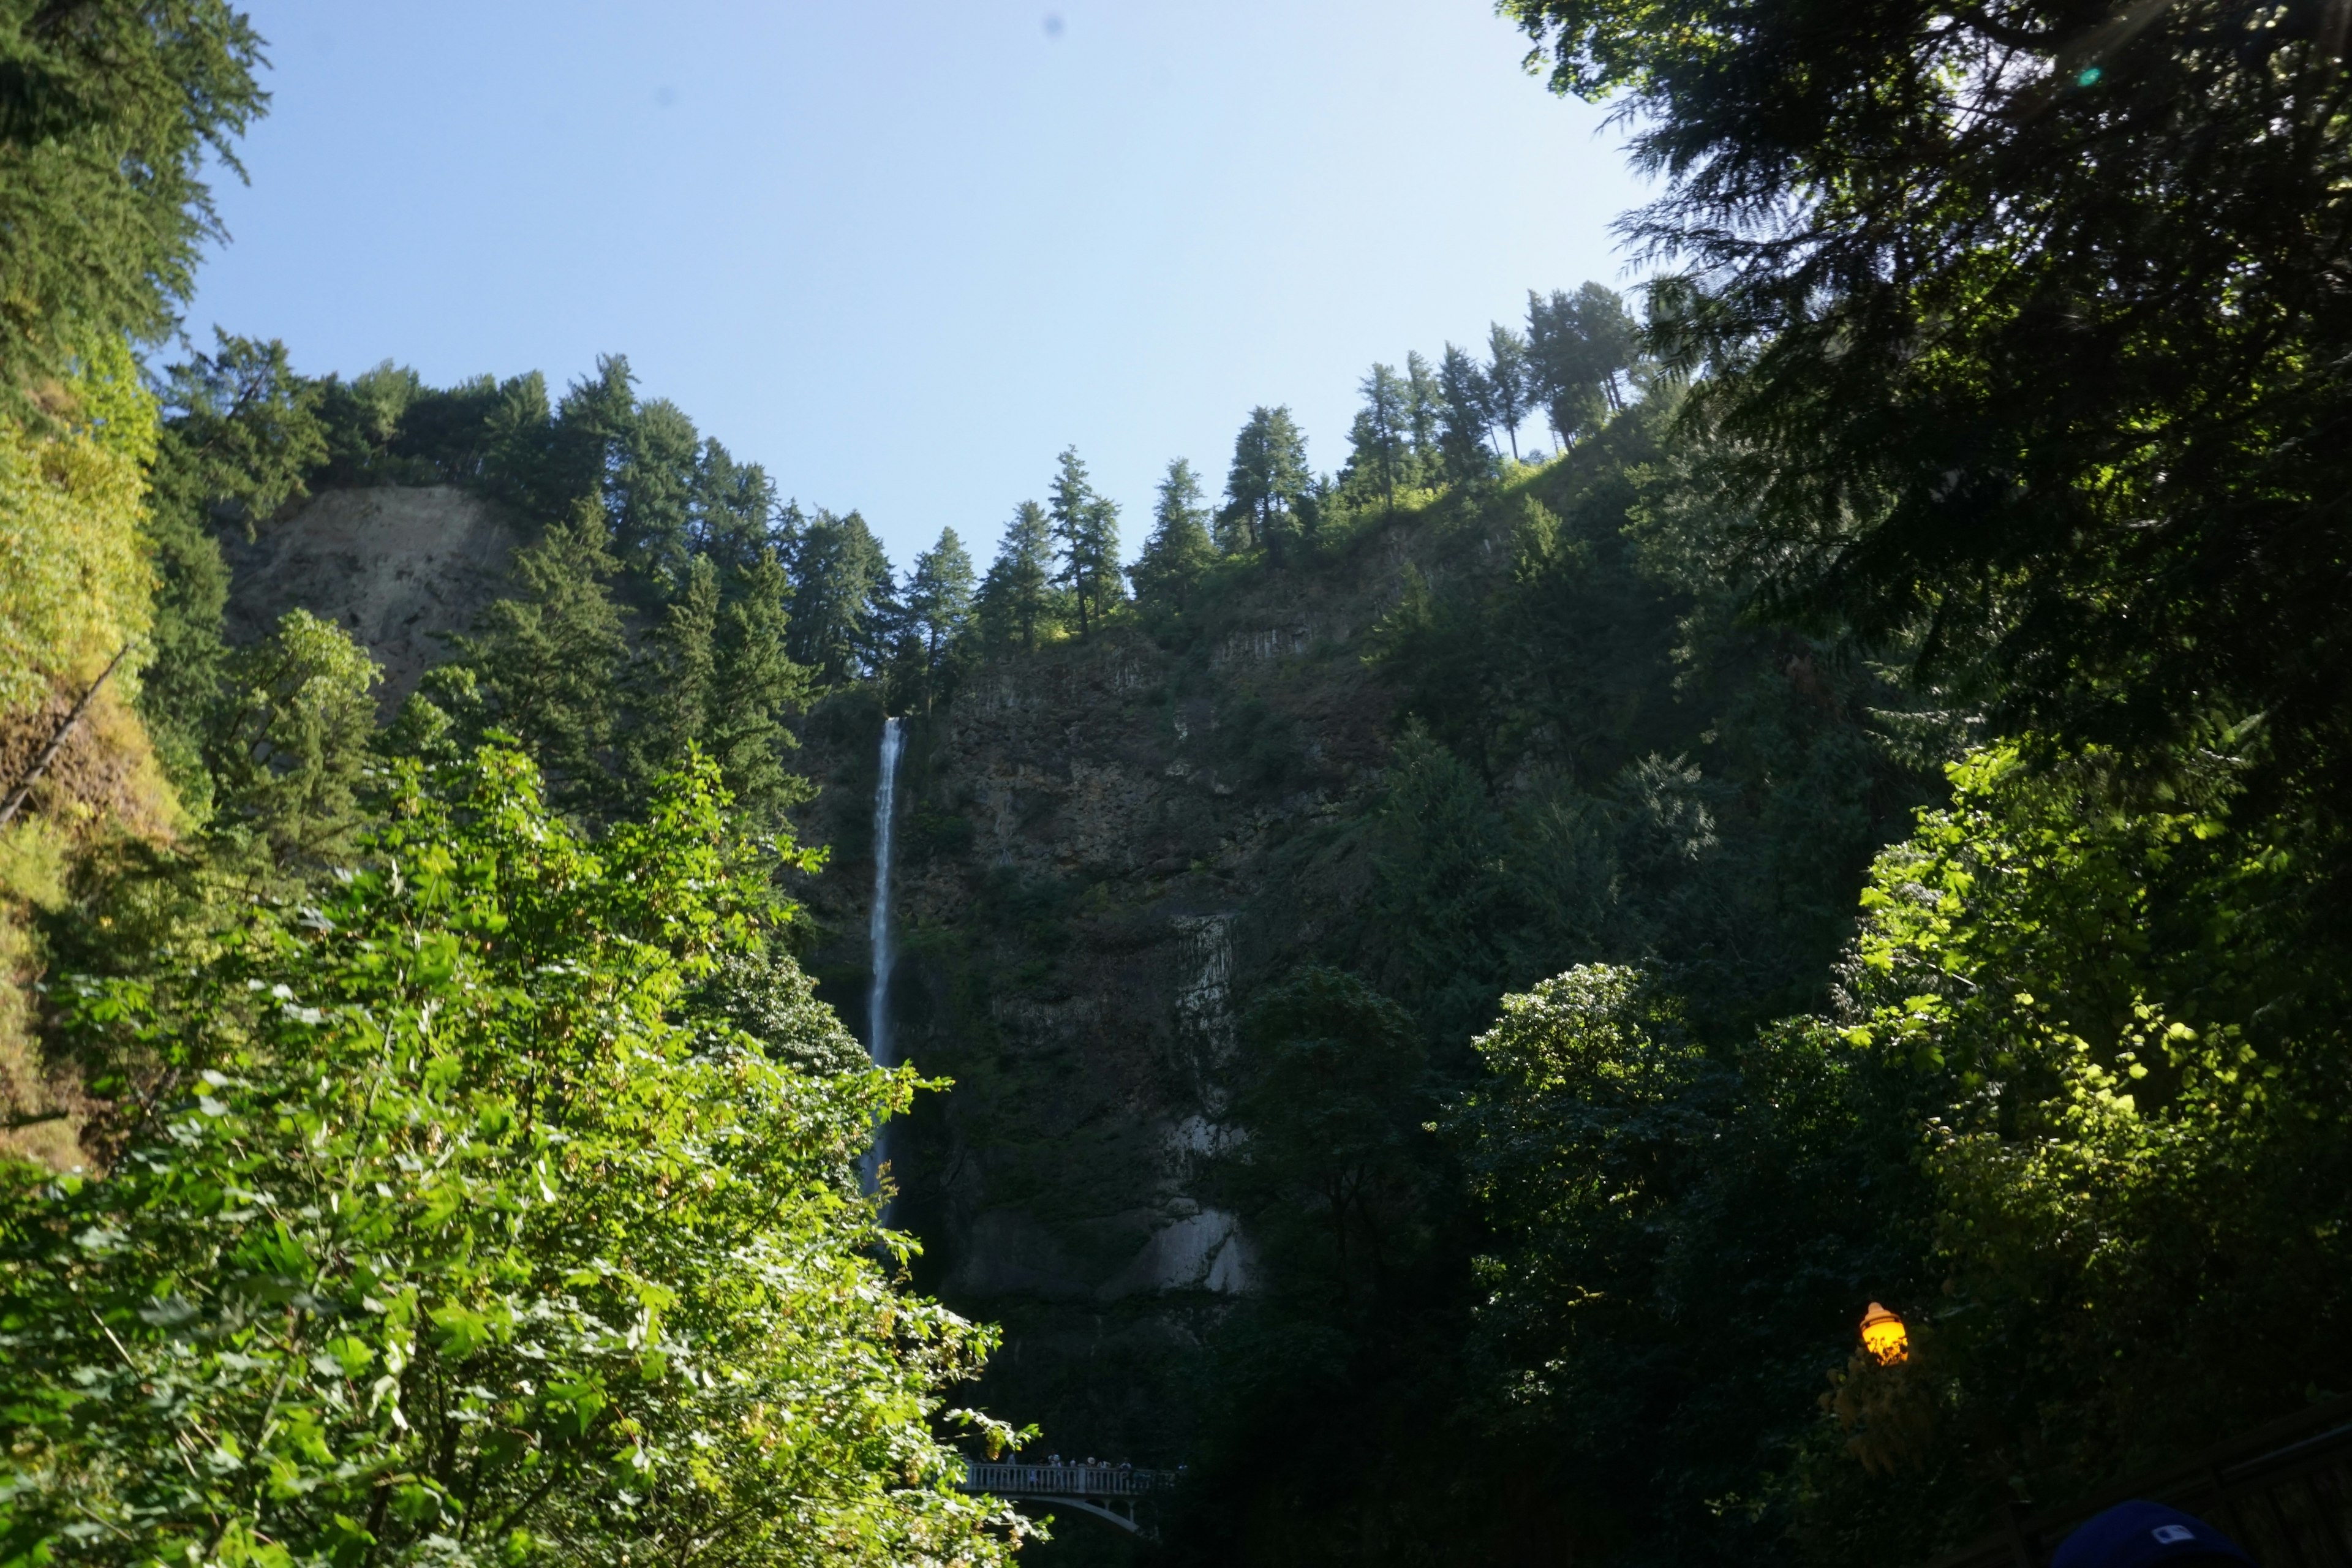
[877, 1001]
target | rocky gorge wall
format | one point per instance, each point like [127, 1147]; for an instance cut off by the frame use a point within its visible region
[1104, 845]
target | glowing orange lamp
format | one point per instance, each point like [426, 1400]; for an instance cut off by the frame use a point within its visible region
[1883, 1335]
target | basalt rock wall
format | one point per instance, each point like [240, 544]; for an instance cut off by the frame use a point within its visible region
[1104, 845]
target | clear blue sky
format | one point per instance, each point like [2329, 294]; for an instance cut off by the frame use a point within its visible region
[904, 254]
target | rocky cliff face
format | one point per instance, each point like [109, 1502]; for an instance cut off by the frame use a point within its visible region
[395, 567]
[1104, 844]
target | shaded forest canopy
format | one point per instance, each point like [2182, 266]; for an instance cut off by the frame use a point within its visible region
[1859, 817]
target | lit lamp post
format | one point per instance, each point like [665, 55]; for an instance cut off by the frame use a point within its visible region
[1883, 1335]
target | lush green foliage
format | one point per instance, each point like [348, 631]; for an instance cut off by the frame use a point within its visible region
[111, 111]
[451, 1227]
[75, 583]
[2025, 323]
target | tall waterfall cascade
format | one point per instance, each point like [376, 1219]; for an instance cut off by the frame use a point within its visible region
[878, 995]
[877, 1001]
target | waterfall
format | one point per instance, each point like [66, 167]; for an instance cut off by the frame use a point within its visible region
[878, 997]
[878, 1004]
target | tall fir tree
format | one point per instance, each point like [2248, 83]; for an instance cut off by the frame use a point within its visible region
[939, 600]
[583, 451]
[240, 432]
[1017, 599]
[1579, 348]
[841, 590]
[756, 690]
[1086, 526]
[675, 674]
[1464, 421]
[544, 661]
[732, 509]
[1506, 380]
[110, 118]
[1425, 413]
[1268, 477]
[1178, 551]
[652, 495]
[1382, 433]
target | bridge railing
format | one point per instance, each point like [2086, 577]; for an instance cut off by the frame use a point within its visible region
[1064, 1480]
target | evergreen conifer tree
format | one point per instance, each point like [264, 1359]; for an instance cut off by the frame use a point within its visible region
[1268, 477]
[1425, 413]
[519, 460]
[584, 444]
[544, 660]
[1382, 432]
[1016, 597]
[653, 492]
[756, 687]
[676, 674]
[1086, 527]
[938, 598]
[1508, 388]
[240, 432]
[1178, 551]
[1611, 338]
[288, 745]
[841, 587]
[1578, 347]
[733, 506]
[1462, 417]
[110, 116]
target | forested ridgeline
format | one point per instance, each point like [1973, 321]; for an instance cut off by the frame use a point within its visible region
[1858, 817]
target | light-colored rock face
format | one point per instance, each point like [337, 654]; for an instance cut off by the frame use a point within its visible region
[395, 567]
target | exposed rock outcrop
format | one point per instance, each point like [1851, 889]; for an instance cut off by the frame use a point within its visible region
[397, 568]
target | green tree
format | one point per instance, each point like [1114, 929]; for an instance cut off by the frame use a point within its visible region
[1337, 1166]
[1178, 551]
[527, 1253]
[675, 676]
[1016, 599]
[756, 689]
[240, 434]
[582, 453]
[1263, 487]
[519, 457]
[1425, 413]
[841, 582]
[1580, 346]
[1463, 422]
[1086, 526]
[2017, 319]
[287, 747]
[939, 604]
[1508, 385]
[1382, 433]
[112, 113]
[2126, 1031]
[938, 595]
[652, 499]
[1679, 1240]
[734, 507]
[544, 661]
